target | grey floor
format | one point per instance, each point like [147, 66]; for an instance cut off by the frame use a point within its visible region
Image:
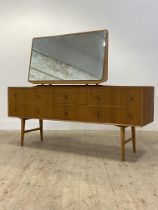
[75, 170]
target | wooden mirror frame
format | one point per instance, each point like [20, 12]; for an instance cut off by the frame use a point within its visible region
[105, 66]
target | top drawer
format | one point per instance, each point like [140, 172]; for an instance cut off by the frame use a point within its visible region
[70, 95]
[52, 95]
[114, 96]
[29, 95]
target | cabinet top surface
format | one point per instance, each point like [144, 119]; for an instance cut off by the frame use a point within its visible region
[82, 86]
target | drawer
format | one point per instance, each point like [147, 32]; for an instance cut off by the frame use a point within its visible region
[70, 112]
[69, 95]
[63, 112]
[37, 95]
[15, 95]
[33, 110]
[115, 115]
[29, 110]
[52, 95]
[30, 95]
[15, 110]
[112, 96]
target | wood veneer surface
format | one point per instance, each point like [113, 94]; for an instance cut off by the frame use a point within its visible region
[126, 105]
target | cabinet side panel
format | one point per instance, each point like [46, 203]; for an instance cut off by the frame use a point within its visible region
[15, 102]
[147, 105]
[11, 102]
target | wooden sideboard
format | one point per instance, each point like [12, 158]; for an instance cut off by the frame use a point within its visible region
[122, 106]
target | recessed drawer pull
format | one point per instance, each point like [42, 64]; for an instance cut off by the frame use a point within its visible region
[66, 97]
[37, 96]
[130, 98]
[98, 115]
[66, 113]
[15, 95]
[97, 97]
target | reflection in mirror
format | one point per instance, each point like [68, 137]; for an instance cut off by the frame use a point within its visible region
[68, 57]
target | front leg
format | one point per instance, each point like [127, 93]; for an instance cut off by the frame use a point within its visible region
[22, 131]
[41, 128]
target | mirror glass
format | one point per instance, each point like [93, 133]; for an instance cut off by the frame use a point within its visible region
[68, 57]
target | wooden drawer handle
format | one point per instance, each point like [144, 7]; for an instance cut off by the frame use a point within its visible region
[15, 95]
[66, 97]
[130, 98]
[37, 96]
[98, 114]
[97, 97]
[66, 113]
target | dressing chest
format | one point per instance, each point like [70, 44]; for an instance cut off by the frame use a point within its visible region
[67, 71]
[123, 106]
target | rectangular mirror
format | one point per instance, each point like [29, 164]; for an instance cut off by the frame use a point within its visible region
[72, 58]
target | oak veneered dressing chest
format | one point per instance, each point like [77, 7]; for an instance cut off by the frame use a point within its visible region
[79, 60]
[119, 105]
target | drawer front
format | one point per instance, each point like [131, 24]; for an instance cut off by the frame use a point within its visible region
[39, 110]
[111, 96]
[37, 95]
[115, 115]
[29, 95]
[54, 95]
[15, 110]
[28, 110]
[69, 95]
[69, 112]
[15, 95]
[63, 112]
[58, 112]
[15, 102]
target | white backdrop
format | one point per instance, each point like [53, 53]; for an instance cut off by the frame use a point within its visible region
[133, 46]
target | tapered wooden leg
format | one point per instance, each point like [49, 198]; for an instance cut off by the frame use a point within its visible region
[133, 138]
[122, 136]
[41, 128]
[22, 131]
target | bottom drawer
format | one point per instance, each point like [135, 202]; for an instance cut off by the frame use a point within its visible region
[115, 115]
[28, 110]
[16, 110]
[69, 112]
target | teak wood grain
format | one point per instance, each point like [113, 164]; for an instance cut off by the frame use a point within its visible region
[118, 105]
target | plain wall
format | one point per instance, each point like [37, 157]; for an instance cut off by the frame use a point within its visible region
[133, 43]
